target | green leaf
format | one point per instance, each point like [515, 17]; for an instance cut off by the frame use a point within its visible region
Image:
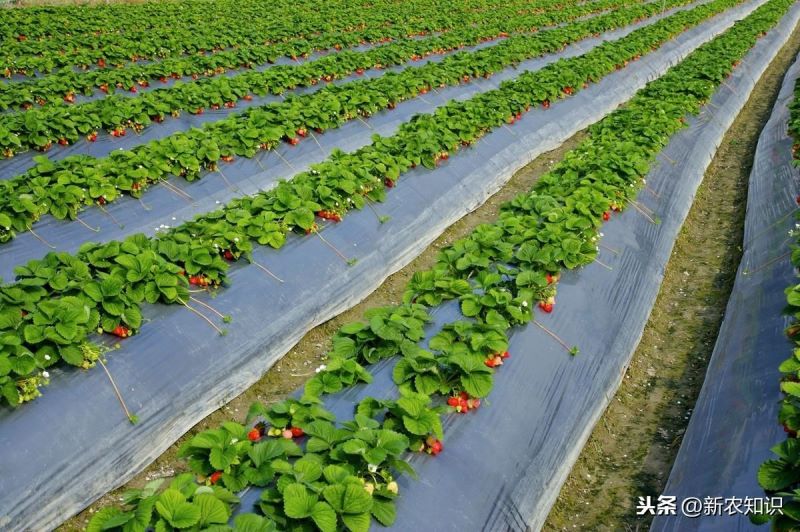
[324, 517]
[212, 510]
[298, 503]
[477, 384]
[357, 522]
[71, 354]
[109, 514]
[222, 457]
[384, 511]
[348, 499]
[172, 506]
[791, 388]
[253, 523]
[774, 475]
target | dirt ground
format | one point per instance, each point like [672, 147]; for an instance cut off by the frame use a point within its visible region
[632, 447]
[299, 364]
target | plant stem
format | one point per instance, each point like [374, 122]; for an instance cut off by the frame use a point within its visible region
[636, 206]
[42, 240]
[219, 331]
[554, 336]
[105, 211]
[128, 414]
[209, 307]
[87, 226]
[344, 258]
[230, 185]
[265, 269]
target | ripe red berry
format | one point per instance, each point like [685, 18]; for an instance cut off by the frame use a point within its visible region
[254, 435]
[452, 401]
[546, 306]
[606, 216]
[436, 448]
[297, 432]
[215, 476]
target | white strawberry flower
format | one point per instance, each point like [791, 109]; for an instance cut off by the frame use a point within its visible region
[372, 468]
[45, 375]
[47, 357]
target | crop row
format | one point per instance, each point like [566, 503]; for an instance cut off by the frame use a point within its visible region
[62, 86]
[66, 187]
[57, 302]
[781, 475]
[66, 124]
[26, 56]
[343, 477]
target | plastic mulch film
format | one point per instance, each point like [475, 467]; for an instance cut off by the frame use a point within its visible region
[161, 206]
[734, 422]
[503, 466]
[74, 443]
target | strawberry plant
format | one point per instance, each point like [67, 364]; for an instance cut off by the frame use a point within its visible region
[345, 476]
[187, 154]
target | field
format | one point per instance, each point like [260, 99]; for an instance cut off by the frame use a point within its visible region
[443, 265]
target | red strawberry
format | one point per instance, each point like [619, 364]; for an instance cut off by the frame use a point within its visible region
[104, 87]
[121, 331]
[228, 255]
[227, 158]
[390, 184]
[215, 476]
[297, 432]
[546, 104]
[198, 111]
[163, 79]
[63, 142]
[101, 200]
[133, 89]
[359, 71]
[294, 141]
[436, 447]
[230, 105]
[606, 216]
[247, 97]
[505, 354]
[549, 278]
[489, 362]
[254, 435]
[797, 200]
[545, 306]
[452, 401]
[91, 137]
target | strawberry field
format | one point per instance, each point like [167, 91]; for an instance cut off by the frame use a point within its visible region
[187, 189]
